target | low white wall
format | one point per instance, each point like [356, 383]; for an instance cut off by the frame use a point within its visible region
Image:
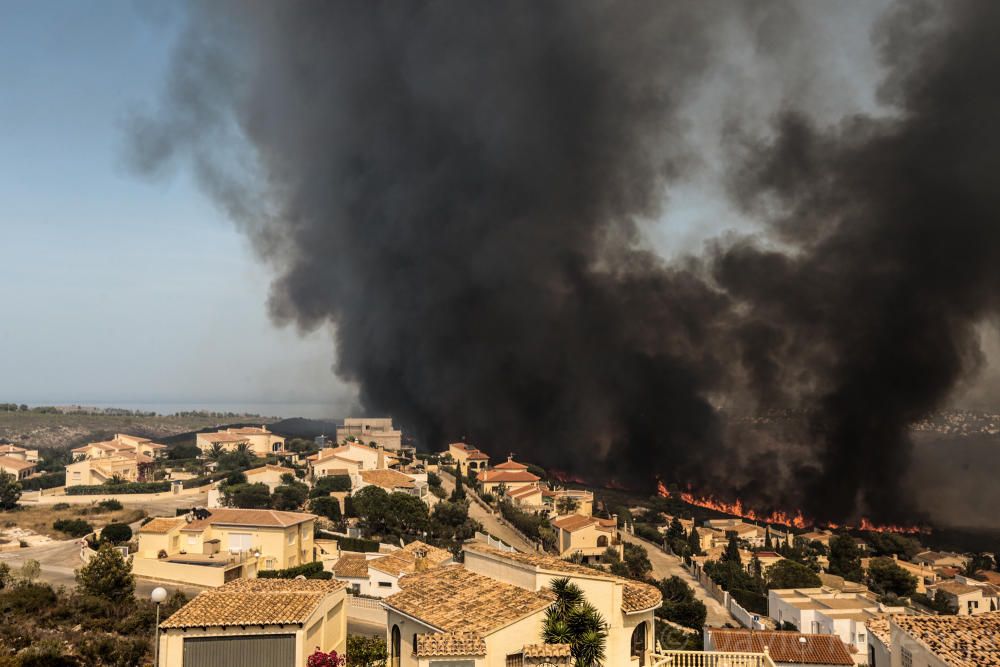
[33, 498]
[365, 610]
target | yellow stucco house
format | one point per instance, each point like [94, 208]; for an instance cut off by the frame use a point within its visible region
[120, 444]
[378, 430]
[214, 547]
[452, 616]
[19, 468]
[258, 621]
[259, 440]
[468, 458]
[268, 474]
[19, 453]
[510, 474]
[587, 536]
[627, 605]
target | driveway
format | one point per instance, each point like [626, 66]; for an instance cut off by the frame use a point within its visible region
[490, 522]
[666, 566]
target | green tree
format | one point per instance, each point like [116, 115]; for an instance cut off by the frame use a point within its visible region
[366, 651]
[886, 577]
[789, 574]
[247, 496]
[567, 505]
[768, 545]
[680, 604]
[215, 451]
[407, 513]
[574, 621]
[107, 575]
[732, 552]
[694, 542]
[845, 558]
[675, 531]
[6, 578]
[977, 563]
[637, 560]
[236, 477]
[459, 493]
[324, 486]
[116, 533]
[326, 506]
[289, 497]
[10, 491]
[372, 504]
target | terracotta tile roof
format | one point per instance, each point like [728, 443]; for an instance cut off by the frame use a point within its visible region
[241, 517]
[547, 650]
[636, 595]
[404, 561]
[959, 641]
[224, 437]
[268, 467]
[498, 476]
[955, 588]
[12, 449]
[510, 464]
[879, 627]
[574, 522]
[387, 479]
[784, 646]
[249, 430]
[16, 464]
[454, 599]
[351, 565]
[523, 491]
[254, 602]
[450, 644]
[162, 524]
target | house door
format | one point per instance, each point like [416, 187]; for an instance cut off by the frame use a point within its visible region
[236, 651]
[639, 643]
[395, 646]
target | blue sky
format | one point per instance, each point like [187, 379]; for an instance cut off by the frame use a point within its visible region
[115, 289]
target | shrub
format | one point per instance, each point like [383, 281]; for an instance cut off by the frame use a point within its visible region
[60, 506]
[110, 505]
[73, 527]
[307, 570]
[366, 651]
[118, 489]
[325, 485]
[357, 544]
[48, 480]
[648, 532]
[116, 533]
[326, 507]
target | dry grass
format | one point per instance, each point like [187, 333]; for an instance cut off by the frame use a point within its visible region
[40, 519]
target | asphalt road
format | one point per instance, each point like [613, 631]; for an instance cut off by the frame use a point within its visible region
[489, 521]
[666, 566]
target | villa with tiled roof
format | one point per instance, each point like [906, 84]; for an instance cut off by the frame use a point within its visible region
[268, 474]
[259, 440]
[510, 475]
[259, 621]
[468, 458]
[627, 605]
[380, 575]
[212, 547]
[944, 641]
[587, 536]
[793, 648]
[18, 468]
[20, 453]
[455, 614]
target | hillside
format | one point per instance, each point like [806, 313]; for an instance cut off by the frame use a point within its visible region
[70, 430]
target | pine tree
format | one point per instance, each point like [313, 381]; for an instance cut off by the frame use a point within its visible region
[694, 541]
[459, 492]
[732, 553]
[107, 575]
[767, 539]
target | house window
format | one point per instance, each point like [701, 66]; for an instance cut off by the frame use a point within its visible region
[76, 476]
[291, 538]
[414, 643]
[394, 647]
[602, 541]
[515, 660]
[192, 540]
[907, 657]
[240, 541]
[385, 584]
[356, 588]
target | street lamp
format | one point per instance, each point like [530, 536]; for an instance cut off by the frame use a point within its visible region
[158, 595]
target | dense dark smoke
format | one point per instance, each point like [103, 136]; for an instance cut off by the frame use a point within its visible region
[458, 188]
[896, 237]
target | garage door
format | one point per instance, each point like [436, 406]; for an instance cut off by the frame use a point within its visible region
[260, 651]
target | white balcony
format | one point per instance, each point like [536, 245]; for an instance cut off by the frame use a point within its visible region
[663, 658]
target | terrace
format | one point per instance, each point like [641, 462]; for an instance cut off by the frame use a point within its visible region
[662, 658]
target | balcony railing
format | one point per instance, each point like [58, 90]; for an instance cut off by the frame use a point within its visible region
[707, 659]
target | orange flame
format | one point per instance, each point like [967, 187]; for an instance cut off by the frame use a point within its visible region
[790, 520]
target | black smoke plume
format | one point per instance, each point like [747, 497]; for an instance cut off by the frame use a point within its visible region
[458, 187]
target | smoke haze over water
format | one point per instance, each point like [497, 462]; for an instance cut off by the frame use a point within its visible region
[465, 191]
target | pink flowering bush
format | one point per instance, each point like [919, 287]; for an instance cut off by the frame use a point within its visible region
[320, 659]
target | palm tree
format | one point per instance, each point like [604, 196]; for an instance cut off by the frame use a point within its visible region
[243, 447]
[574, 621]
[216, 450]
